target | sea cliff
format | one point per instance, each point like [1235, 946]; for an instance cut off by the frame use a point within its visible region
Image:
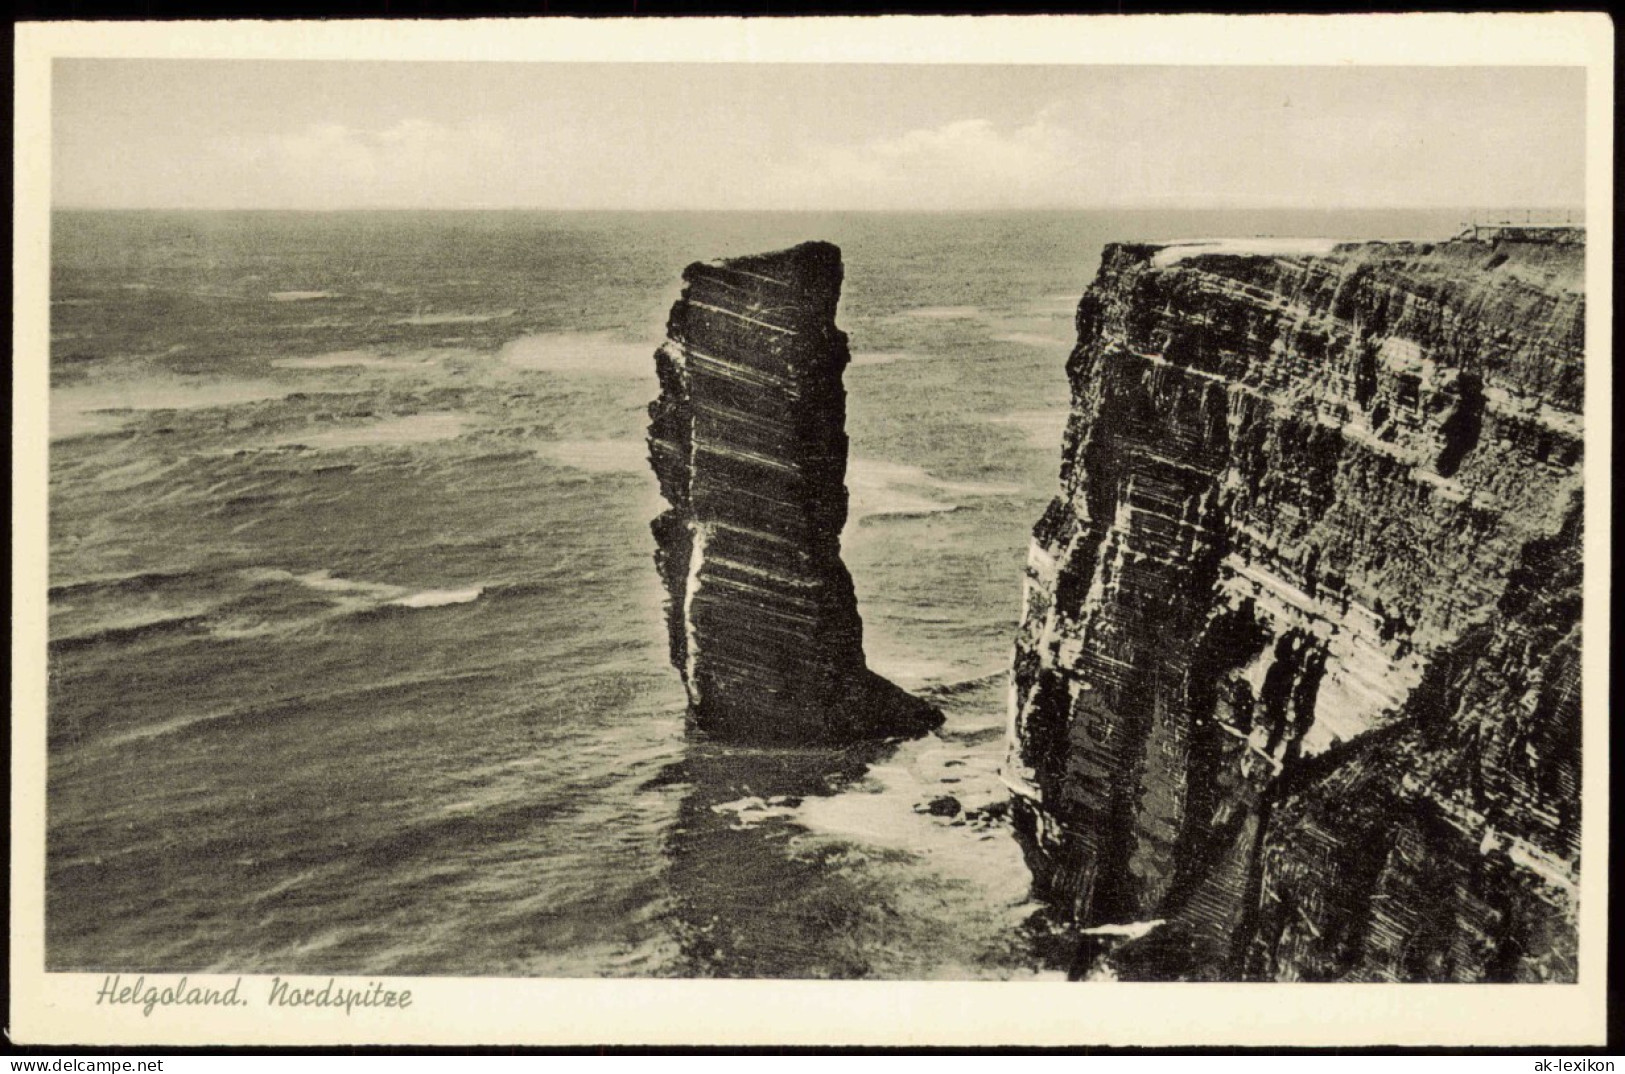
[1296, 674]
[748, 441]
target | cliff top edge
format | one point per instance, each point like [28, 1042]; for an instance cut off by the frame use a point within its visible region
[813, 267]
[1551, 259]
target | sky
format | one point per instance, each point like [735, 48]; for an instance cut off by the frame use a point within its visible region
[252, 134]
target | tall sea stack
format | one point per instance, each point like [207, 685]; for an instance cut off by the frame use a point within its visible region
[1298, 669]
[748, 441]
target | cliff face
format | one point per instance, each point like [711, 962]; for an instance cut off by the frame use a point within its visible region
[747, 439]
[1297, 672]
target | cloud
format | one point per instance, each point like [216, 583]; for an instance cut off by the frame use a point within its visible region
[964, 163]
[1182, 143]
[412, 162]
[847, 139]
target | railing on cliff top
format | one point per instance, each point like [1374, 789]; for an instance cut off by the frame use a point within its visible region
[1550, 234]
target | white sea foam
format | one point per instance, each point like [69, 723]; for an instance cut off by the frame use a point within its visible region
[888, 809]
[456, 318]
[598, 456]
[887, 357]
[592, 354]
[1066, 303]
[1043, 429]
[751, 811]
[945, 313]
[1033, 339]
[411, 429]
[1130, 931]
[345, 360]
[301, 296]
[67, 424]
[437, 598]
[347, 596]
[323, 581]
[876, 487]
[104, 406]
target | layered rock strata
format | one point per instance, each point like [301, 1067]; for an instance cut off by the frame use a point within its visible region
[1297, 673]
[748, 441]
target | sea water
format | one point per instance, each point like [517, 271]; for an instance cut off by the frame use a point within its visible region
[357, 660]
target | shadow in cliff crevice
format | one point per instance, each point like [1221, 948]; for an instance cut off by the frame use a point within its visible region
[1186, 948]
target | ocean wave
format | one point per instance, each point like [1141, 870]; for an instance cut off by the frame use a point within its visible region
[140, 582]
[496, 459]
[1042, 429]
[86, 424]
[1056, 305]
[345, 360]
[324, 581]
[357, 594]
[1033, 339]
[285, 707]
[751, 810]
[125, 634]
[887, 357]
[100, 407]
[880, 488]
[939, 801]
[277, 603]
[944, 313]
[437, 598]
[545, 587]
[389, 432]
[598, 456]
[455, 318]
[301, 296]
[965, 686]
[249, 501]
[244, 628]
[877, 488]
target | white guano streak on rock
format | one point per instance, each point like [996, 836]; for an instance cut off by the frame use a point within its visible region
[696, 557]
[742, 317]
